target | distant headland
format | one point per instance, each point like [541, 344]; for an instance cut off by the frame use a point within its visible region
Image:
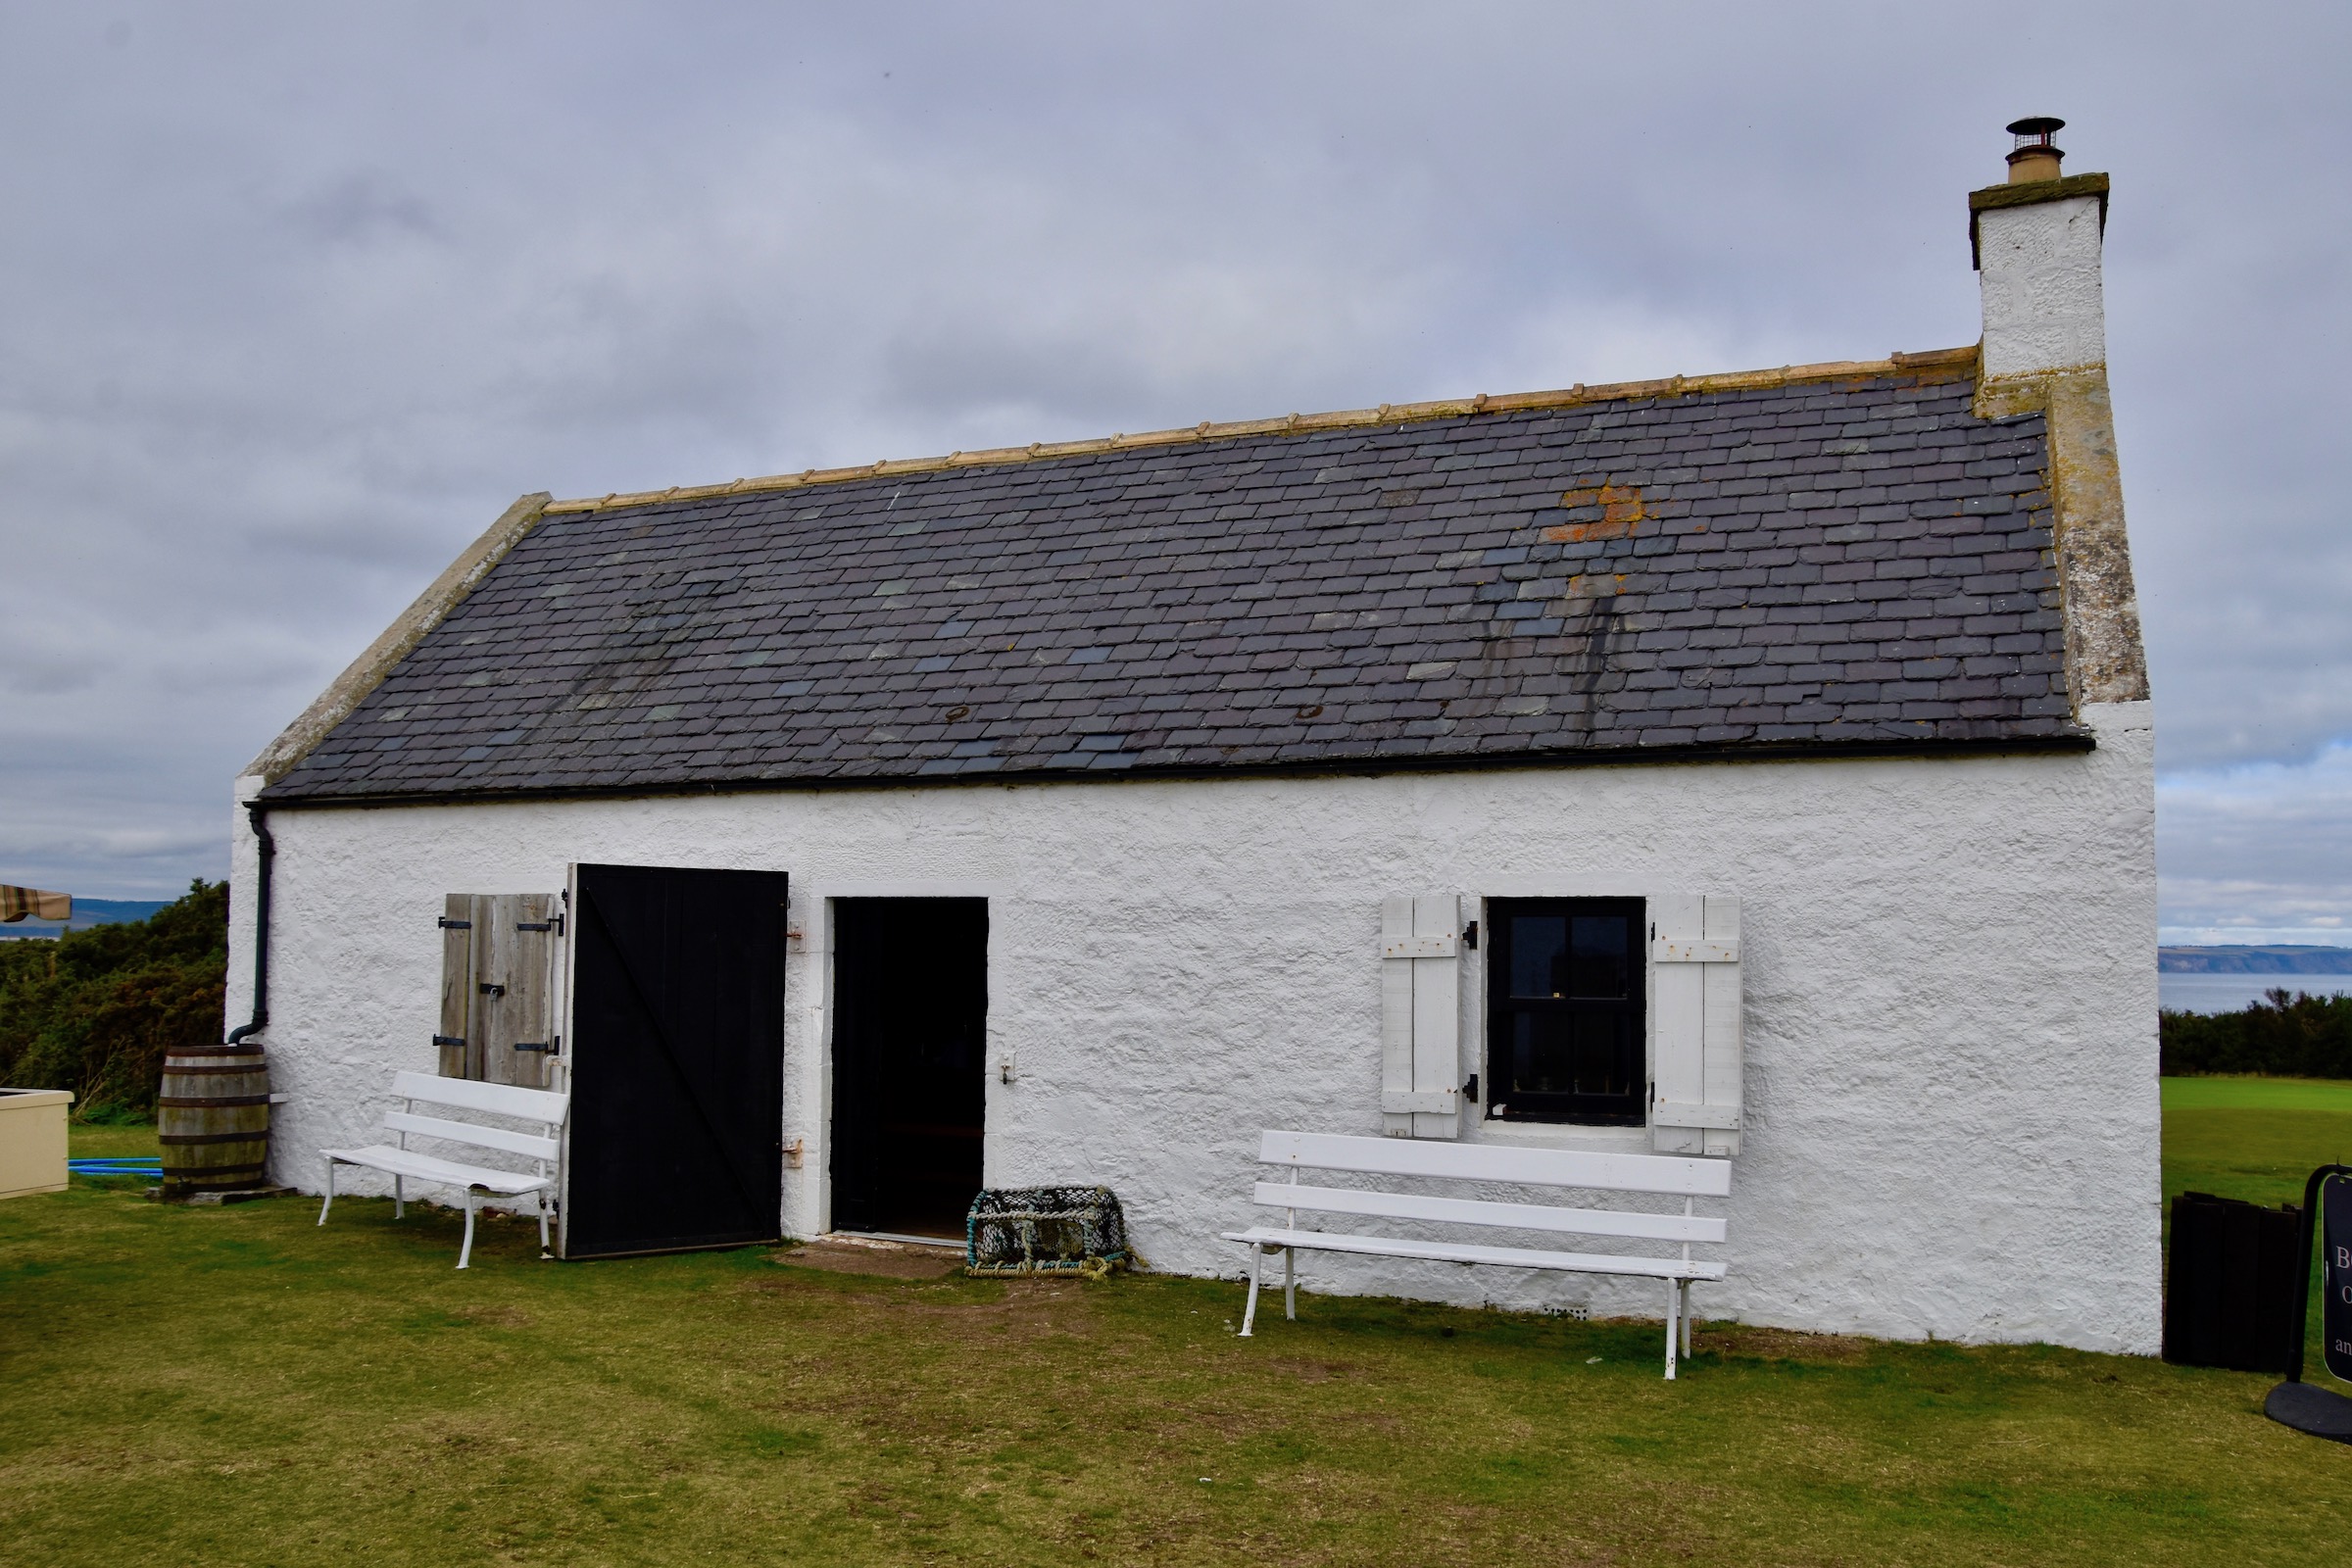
[2286, 958]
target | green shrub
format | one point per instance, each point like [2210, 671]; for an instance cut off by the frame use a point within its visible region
[2291, 1035]
[97, 1011]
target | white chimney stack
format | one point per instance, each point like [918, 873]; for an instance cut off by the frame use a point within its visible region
[2037, 242]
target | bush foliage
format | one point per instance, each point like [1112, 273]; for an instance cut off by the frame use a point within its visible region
[2291, 1034]
[97, 1011]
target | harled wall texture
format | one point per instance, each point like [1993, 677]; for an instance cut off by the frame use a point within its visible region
[1949, 976]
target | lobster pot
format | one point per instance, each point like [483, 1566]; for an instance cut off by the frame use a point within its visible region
[213, 1120]
[1045, 1230]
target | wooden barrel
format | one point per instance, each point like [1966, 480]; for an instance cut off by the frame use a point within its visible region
[213, 1120]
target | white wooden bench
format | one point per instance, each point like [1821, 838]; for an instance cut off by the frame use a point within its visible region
[544, 1148]
[1487, 1163]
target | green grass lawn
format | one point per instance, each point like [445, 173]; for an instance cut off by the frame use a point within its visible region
[235, 1386]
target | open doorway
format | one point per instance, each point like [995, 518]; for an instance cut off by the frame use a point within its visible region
[910, 1046]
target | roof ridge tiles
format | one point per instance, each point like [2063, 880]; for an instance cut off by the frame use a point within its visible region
[1957, 361]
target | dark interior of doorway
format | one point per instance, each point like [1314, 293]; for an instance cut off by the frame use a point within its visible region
[909, 1040]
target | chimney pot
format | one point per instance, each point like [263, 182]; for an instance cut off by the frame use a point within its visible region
[2036, 156]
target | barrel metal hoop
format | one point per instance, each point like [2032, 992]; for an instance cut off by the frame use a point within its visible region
[213, 1072]
[176, 1139]
[191, 1103]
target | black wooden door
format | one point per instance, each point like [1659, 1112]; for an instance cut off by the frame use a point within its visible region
[677, 1060]
[909, 1086]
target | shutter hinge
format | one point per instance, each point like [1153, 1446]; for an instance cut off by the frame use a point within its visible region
[491, 988]
[453, 1042]
[1470, 936]
[447, 924]
[552, 1045]
[556, 926]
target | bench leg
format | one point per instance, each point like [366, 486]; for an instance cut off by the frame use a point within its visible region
[1289, 1282]
[330, 1193]
[466, 1251]
[1250, 1312]
[400, 1199]
[1674, 1294]
[1685, 1315]
[543, 1252]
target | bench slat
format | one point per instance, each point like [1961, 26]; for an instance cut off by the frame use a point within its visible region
[471, 1093]
[1492, 1163]
[425, 1168]
[465, 1131]
[1475, 1211]
[1665, 1268]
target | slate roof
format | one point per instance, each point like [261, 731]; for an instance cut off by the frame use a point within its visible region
[1858, 562]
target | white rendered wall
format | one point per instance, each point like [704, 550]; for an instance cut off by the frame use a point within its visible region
[1950, 989]
[2037, 272]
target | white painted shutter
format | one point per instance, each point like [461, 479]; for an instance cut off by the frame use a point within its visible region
[1420, 1015]
[1694, 1024]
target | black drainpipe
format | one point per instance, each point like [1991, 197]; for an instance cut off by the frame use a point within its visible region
[261, 927]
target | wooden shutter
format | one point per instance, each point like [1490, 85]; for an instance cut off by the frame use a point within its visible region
[497, 967]
[456, 1040]
[1420, 1015]
[1695, 1062]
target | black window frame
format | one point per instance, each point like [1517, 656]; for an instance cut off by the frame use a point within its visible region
[1503, 1102]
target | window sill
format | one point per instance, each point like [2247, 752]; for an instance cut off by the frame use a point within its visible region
[1596, 1139]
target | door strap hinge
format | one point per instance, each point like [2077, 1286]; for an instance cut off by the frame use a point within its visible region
[552, 1045]
[453, 1042]
[447, 924]
[556, 926]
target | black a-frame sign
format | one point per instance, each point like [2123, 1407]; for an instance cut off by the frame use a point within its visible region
[2322, 1413]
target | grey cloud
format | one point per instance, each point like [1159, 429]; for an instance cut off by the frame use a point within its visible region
[362, 208]
[301, 298]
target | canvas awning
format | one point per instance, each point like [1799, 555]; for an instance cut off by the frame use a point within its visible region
[18, 902]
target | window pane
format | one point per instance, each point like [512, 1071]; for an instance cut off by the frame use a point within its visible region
[1570, 1054]
[1538, 955]
[1542, 1054]
[1597, 966]
[1602, 1059]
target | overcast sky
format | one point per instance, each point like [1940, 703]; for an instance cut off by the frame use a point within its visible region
[295, 299]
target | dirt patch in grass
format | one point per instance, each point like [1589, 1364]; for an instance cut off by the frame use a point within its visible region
[1779, 1344]
[497, 1317]
[1026, 1306]
[886, 1259]
[1307, 1370]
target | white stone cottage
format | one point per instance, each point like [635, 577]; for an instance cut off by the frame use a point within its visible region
[1065, 794]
